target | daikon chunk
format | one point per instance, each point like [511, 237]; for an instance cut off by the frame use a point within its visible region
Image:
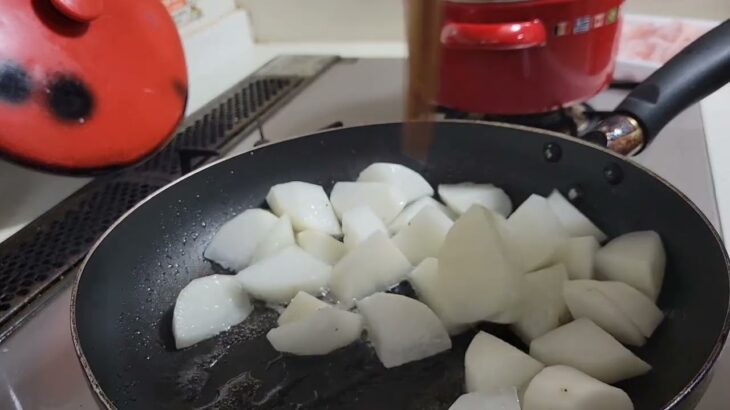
[637, 259]
[280, 236]
[544, 307]
[423, 237]
[206, 307]
[402, 329]
[374, 265]
[321, 246]
[492, 364]
[585, 300]
[235, 242]
[409, 182]
[583, 345]
[306, 204]
[318, 333]
[460, 197]
[410, 211]
[565, 388]
[279, 277]
[383, 199]
[301, 306]
[358, 224]
[536, 231]
[572, 219]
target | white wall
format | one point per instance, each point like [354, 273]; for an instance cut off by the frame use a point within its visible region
[382, 20]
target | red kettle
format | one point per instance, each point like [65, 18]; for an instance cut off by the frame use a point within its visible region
[88, 85]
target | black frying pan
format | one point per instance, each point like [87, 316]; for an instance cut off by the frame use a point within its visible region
[123, 300]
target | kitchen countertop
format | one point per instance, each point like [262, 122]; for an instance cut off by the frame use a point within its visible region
[222, 54]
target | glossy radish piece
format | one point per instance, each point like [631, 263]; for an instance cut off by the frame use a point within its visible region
[476, 277]
[583, 345]
[318, 333]
[410, 211]
[206, 307]
[373, 266]
[637, 259]
[358, 224]
[235, 242]
[460, 197]
[279, 277]
[402, 329]
[492, 364]
[306, 204]
[536, 232]
[544, 307]
[302, 305]
[424, 236]
[383, 199]
[578, 255]
[572, 219]
[280, 236]
[409, 182]
[321, 245]
[585, 300]
[565, 388]
[424, 279]
[504, 399]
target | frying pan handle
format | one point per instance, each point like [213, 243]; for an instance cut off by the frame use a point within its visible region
[697, 71]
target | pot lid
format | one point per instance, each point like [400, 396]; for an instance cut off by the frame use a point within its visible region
[87, 85]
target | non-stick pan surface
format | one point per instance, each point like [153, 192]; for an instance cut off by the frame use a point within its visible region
[124, 298]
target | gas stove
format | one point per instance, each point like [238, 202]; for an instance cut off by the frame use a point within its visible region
[289, 97]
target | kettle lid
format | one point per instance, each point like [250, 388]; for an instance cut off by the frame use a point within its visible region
[88, 85]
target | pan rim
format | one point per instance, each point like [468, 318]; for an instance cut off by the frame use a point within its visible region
[698, 378]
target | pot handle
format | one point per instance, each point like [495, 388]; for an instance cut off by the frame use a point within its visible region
[494, 36]
[697, 71]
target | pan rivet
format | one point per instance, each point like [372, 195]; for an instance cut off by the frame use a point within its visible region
[613, 174]
[575, 194]
[552, 152]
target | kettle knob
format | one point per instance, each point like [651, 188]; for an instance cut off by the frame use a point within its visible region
[83, 11]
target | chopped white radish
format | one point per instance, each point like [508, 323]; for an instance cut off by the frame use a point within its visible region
[206, 307]
[475, 276]
[460, 197]
[301, 306]
[637, 259]
[408, 181]
[279, 277]
[358, 224]
[402, 329]
[235, 242]
[384, 199]
[585, 300]
[372, 266]
[424, 279]
[634, 304]
[306, 204]
[503, 399]
[583, 345]
[410, 211]
[423, 237]
[578, 255]
[543, 307]
[318, 333]
[572, 219]
[492, 364]
[321, 246]
[565, 388]
[280, 236]
[536, 232]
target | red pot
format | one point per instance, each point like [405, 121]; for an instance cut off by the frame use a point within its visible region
[526, 56]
